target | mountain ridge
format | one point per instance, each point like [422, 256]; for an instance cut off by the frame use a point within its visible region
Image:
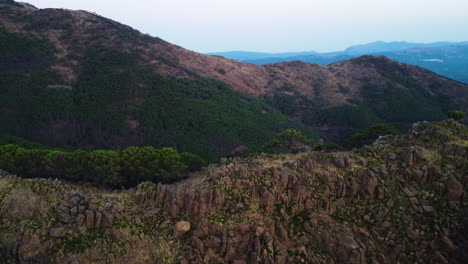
[445, 58]
[357, 50]
[77, 44]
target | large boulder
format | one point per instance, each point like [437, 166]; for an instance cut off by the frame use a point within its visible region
[181, 228]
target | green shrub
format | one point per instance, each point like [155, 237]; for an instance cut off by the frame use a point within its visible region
[290, 140]
[192, 161]
[370, 134]
[111, 168]
[456, 115]
[6, 139]
[326, 147]
[104, 167]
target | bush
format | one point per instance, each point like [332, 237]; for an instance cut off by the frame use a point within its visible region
[111, 168]
[8, 157]
[192, 161]
[456, 115]
[369, 135]
[6, 139]
[104, 168]
[290, 140]
[326, 147]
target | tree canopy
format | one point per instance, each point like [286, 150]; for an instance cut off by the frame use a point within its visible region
[456, 115]
[370, 134]
[113, 168]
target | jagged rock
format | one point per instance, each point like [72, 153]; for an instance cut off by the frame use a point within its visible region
[79, 220]
[259, 231]
[74, 210]
[199, 245]
[151, 213]
[283, 233]
[90, 219]
[427, 209]
[352, 188]
[340, 162]
[213, 242]
[414, 200]
[94, 254]
[65, 218]
[165, 224]
[75, 199]
[408, 157]
[137, 219]
[253, 258]
[98, 220]
[370, 183]
[407, 191]
[363, 162]
[268, 199]
[116, 235]
[385, 224]
[181, 228]
[107, 219]
[411, 233]
[347, 241]
[57, 232]
[111, 259]
[454, 189]
[439, 258]
[244, 228]
[447, 243]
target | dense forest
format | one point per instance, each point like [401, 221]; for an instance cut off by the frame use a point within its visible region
[111, 168]
[117, 102]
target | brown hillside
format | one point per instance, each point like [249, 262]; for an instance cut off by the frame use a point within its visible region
[71, 31]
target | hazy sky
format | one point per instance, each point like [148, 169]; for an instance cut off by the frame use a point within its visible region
[283, 25]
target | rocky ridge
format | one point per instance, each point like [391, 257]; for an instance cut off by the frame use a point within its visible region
[401, 200]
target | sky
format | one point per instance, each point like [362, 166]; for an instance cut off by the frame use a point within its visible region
[282, 25]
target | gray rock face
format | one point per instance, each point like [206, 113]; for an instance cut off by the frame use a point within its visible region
[57, 232]
[90, 216]
[80, 219]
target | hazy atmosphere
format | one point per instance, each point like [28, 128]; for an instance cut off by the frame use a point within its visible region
[274, 25]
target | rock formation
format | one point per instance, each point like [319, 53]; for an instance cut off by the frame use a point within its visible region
[401, 200]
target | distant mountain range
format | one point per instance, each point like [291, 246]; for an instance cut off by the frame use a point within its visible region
[246, 55]
[449, 59]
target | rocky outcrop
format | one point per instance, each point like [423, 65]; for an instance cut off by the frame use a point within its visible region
[402, 199]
